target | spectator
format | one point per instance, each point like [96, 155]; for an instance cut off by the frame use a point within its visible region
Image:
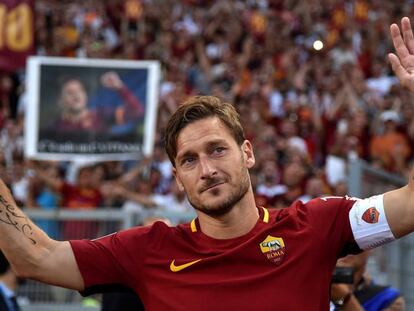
[9, 283]
[294, 178]
[174, 201]
[20, 181]
[370, 296]
[81, 195]
[41, 196]
[315, 188]
[269, 187]
[390, 149]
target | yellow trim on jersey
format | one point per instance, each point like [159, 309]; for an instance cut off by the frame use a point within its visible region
[193, 226]
[265, 215]
[265, 219]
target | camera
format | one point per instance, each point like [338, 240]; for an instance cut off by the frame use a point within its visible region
[343, 275]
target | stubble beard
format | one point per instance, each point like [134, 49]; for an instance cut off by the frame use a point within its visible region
[225, 206]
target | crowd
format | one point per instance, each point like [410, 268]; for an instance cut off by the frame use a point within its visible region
[310, 80]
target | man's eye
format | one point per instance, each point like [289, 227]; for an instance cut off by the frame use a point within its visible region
[219, 150]
[187, 161]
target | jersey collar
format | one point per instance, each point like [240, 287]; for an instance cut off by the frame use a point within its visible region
[263, 215]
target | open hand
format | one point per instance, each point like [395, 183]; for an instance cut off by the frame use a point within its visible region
[112, 81]
[403, 61]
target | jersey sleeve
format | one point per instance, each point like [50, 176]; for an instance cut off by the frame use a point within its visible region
[369, 223]
[110, 262]
[329, 219]
[350, 224]
[133, 106]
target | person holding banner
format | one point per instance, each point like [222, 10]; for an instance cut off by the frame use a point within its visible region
[234, 255]
[78, 119]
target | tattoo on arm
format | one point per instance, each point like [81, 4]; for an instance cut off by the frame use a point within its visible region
[9, 216]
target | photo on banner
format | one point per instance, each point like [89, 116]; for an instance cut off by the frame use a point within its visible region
[90, 108]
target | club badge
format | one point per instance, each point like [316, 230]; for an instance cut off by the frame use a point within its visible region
[274, 249]
[371, 215]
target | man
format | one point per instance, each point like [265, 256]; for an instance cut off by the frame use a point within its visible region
[8, 286]
[390, 149]
[83, 194]
[233, 256]
[174, 201]
[370, 296]
[78, 117]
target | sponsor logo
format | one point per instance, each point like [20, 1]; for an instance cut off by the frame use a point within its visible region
[274, 249]
[371, 215]
[176, 268]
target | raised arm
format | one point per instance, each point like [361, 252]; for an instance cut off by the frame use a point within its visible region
[402, 61]
[54, 183]
[31, 253]
[399, 204]
[132, 106]
[399, 208]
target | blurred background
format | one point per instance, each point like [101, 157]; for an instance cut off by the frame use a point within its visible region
[310, 79]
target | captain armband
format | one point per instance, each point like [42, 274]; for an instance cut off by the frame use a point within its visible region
[369, 223]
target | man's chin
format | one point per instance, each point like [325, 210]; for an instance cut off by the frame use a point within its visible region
[220, 201]
[75, 109]
[215, 211]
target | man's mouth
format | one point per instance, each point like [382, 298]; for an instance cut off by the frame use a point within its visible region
[211, 186]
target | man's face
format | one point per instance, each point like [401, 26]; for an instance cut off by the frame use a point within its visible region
[211, 167]
[85, 177]
[74, 97]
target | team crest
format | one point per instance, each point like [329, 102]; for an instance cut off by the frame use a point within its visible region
[371, 215]
[274, 249]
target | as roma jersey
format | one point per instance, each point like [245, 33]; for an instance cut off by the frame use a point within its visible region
[284, 263]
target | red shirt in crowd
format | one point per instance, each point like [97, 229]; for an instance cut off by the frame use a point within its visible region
[76, 197]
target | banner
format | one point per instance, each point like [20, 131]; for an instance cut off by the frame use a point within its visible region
[90, 108]
[16, 33]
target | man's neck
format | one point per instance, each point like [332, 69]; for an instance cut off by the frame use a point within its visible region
[75, 116]
[239, 221]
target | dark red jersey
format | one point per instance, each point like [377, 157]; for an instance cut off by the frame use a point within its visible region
[284, 263]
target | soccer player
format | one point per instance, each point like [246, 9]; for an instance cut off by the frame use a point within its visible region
[77, 117]
[234, 255]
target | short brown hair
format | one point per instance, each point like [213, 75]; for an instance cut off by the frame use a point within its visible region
[197, 108]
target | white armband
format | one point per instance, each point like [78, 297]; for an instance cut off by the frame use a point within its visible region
[369, 223]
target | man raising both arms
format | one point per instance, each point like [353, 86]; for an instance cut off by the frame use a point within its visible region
[234, 255]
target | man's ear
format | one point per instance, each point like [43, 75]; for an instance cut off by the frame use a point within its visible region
[177, 179]
[247, 150]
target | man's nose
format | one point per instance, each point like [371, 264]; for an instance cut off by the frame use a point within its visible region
[208, 169]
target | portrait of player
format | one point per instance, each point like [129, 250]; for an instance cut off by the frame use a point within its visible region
[102, 107]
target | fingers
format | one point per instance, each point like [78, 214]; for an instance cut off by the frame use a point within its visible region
[399, 70]
[407, 34]
[398, 42]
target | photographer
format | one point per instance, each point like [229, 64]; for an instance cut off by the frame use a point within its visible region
[353, 289]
